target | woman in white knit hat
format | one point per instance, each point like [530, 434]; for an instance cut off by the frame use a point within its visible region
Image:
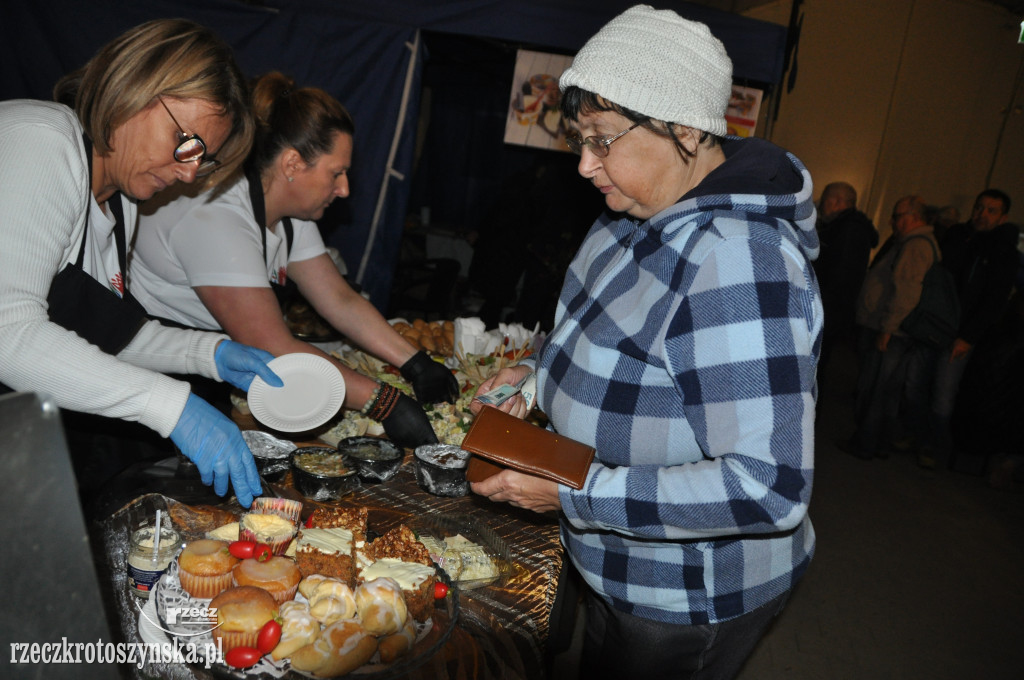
[684, 350]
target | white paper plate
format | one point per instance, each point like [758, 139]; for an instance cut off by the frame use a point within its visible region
[149, 624]
[313, 392]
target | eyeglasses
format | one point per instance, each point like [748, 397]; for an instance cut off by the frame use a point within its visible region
[192, 148]
[597, 145]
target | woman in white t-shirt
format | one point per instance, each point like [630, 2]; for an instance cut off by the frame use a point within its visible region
[216, 261]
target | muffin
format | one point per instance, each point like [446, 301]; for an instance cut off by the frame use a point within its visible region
[269, 528]
[278, 576]
[204, 568]
[241, 613]
[282, 507]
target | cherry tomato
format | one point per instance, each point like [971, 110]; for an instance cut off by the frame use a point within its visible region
[262, 552]
[440, 590]
[242, 549]
[270, 635]
[242, 657]
[309, 522]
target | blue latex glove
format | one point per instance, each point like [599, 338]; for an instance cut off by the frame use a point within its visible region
[238, 364]
[211, 441]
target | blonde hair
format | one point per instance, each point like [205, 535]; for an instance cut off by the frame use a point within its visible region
[305, 119]
[167, 57]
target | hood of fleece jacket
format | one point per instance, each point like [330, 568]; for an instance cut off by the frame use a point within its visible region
[764, 182]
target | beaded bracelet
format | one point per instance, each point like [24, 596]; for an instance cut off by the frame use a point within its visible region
[369, 402]
[387, 397]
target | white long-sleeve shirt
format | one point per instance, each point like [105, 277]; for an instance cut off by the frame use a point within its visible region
[45, 201]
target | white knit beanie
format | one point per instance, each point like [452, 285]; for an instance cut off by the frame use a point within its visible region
[658, 64]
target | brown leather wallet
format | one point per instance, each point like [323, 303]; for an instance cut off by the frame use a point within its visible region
[500, 441]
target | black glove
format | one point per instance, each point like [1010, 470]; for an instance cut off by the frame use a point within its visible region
[432, 382]
[407, 425]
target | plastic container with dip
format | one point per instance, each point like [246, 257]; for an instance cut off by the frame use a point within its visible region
[145, 566]
[441, 469]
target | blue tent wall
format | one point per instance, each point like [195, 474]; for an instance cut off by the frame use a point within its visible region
[359, 51]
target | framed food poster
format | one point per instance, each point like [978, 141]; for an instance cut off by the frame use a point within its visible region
[744, 107]
[533, 115]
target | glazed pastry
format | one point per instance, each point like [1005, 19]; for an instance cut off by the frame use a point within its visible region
[393, 646]
[341, 648]
[309, 584]
[332, 600]
[381, 606]
[298, 629]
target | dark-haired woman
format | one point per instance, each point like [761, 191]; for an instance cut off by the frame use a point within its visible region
[215, 261]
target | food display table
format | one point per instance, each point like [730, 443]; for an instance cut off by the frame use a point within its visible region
[501, 630]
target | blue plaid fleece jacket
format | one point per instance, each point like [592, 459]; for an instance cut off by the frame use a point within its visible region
[684, 350]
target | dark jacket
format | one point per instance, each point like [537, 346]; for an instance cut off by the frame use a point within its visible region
[984, 264]
[846, 243]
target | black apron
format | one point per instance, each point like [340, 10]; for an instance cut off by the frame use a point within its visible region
[80, 303]
[88, 307]
[283, 292]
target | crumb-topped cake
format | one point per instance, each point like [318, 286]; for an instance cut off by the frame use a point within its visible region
[400, 556]
[353, 519]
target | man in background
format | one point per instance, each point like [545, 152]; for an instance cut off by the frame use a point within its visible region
[982, 254]
[891, 290]
[847, 237]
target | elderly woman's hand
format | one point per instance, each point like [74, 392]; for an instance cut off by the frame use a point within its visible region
[516, 405]
[520, 490]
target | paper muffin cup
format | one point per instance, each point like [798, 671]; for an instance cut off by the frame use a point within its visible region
[236, 639]
[282, 596]
[278, 544]
[282, 507]
[204, 587]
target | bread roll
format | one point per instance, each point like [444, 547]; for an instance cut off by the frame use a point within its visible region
[393, 646]
[332, 600]
[381, 606]
[309, 584]
[298, 629]
[341, 648]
